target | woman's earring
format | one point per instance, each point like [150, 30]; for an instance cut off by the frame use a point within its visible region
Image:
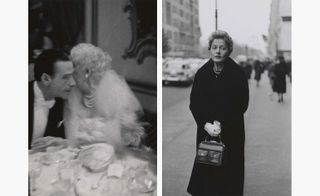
[87, 73]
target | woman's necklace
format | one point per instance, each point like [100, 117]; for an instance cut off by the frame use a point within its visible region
[217, 70]
[88, 99]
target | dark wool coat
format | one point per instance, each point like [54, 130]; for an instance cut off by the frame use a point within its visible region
[258, 71]
[280, 71]
[248, 70]
[224, 98]
[54, 126]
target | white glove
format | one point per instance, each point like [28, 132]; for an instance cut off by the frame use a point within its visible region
[213, 129]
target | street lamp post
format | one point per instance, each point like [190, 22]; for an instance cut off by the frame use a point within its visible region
[216, 15]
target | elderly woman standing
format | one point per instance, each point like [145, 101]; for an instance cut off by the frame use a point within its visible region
[101, 108]
[218, 100]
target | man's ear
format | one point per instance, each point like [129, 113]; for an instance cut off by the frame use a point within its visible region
[46, 79]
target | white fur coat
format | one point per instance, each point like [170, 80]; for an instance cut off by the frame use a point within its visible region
[112, 119]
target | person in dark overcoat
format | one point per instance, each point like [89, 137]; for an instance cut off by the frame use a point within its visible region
[289, 70]
[258, 71]
[248, 70]
[280, 72]
[220, 93]
[271, 76]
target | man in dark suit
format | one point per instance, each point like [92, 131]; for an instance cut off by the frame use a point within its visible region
[53, 72]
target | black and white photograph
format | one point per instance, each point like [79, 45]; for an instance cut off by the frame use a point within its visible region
[226, 110]
[92, 97]
[159, 97]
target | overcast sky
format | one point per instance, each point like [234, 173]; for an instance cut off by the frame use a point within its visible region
[244, 20]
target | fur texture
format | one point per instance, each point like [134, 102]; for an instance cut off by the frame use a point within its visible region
[102, 107]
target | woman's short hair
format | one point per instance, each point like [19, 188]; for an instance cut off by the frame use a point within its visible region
[91, 57]
[219, 34]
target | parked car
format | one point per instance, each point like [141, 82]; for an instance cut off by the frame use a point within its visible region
[177, 71]
[196, 63]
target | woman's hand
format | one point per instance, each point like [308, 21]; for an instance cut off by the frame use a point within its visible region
[213, 129]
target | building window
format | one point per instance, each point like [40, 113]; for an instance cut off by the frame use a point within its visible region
[192, 42]
[175, 22]
[168, 13]
[169, 33]
[187, 5]
[174, 9]
[182, 38]
[196, 21]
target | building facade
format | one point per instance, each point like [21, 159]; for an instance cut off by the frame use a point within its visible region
[279, 39]
[180, 23]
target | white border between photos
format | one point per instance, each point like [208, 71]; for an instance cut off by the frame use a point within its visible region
[305, 98]
[13, 98]
[159, 98]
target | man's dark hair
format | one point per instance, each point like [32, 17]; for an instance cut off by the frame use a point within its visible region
[46, 60]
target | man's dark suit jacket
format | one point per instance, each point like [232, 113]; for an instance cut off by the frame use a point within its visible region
[54, 126]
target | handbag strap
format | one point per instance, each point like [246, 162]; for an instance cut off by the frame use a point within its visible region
[219, 136]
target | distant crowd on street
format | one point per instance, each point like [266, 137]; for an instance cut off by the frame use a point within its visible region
[277, 72]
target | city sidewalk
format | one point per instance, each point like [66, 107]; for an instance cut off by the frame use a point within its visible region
[268, 144]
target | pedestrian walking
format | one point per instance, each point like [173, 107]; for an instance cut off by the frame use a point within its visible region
[280, 71]
[258, 71]
[271, 76]
[248, 70]
[243, 66]
[218, 100]
[289, 70]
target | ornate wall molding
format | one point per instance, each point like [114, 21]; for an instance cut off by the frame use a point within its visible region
[143, 18]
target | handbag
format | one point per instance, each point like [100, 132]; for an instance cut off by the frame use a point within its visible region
[210, 152]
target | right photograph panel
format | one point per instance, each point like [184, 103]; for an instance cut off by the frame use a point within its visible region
[226, 92]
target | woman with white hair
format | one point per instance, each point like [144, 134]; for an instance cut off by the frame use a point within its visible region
[101, 108]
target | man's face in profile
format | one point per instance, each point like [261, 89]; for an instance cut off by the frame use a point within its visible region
[62, 80]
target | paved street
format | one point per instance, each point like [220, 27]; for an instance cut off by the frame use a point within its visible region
[268, 141]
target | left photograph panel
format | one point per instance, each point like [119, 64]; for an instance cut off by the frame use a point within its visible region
[92, 101]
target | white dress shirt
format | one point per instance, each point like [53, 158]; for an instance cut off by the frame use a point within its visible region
[41, 112]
